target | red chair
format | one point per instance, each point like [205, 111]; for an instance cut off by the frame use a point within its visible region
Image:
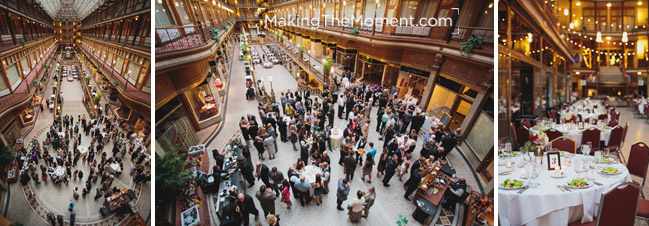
[511, 126]
[553, 134]
[602, 117]
[615, 142]
[638, 162]
[626, 128]
[612, 123]
[617, 116]
[612, 110]
[565, 144]
[526, 123]
[591, 135]
[618, 206]
[522, 135]
[554, 115]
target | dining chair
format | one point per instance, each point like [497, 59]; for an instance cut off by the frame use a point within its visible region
[511, 126]
[612, 110]
[602, 117]
[626, 128]
[618, 206]
[526, 123]
[617, 116]
[555, 116]
[615, 142]
[591, 135]
[553, 134]
[612, 123]
[638, 162]
[646, 110]
[565, 144]
[522, 135]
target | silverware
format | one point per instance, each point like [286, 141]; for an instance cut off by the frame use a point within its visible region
[523, 190]
[560, 188]
[566, 187]
[597, 183]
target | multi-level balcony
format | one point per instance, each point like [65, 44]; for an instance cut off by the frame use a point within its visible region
[174, 38]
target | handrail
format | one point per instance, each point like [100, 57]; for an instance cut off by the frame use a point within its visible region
[23, 91]
[126, 87]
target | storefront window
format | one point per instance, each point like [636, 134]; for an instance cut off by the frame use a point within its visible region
[440, 102]
[411, 86]
[180, 7]
[479, 141]
[203, 102]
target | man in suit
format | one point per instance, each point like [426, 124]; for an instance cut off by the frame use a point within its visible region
[439, 153]
[282, 130]
[390, 169]
[245, 166]
[418, 121]
[266, 199]
[369, 201]
[262, 173]
[247, 207]
[449, 142]
[350, 166]
[413, 182]
[276, 177]
[349, 105]
[330, 115]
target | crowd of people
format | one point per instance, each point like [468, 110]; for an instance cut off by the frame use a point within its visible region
[307, 121]
[58, 159]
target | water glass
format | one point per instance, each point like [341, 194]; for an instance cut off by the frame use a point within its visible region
[607, 152]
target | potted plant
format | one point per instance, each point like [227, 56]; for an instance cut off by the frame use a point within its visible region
[171, 174]
[475, 42]
[354, 31]
[302, 49]
[97, 97]
[7, 155]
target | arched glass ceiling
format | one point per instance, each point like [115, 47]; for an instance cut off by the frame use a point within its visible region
[70, 10]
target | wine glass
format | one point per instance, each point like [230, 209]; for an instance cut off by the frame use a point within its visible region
[606, 153]
[501, 149]
[508, 149]
[585, 150]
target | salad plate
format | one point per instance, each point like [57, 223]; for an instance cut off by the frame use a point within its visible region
[505, 172]
[561, 175]
[609, 170]
[579, 183]
[509, 184]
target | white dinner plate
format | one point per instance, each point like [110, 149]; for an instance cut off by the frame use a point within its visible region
[584, 187]
[558, 176]
[507, 188]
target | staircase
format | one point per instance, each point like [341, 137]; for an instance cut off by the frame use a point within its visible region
[611, 74]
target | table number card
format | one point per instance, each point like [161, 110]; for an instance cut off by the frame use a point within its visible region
[554, 160]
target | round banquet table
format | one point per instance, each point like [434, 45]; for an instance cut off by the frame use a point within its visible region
[310, 172]
[83, 150]
[59, 171]
[114, 167]
[547, 204]
[575, 133]
[336, 138]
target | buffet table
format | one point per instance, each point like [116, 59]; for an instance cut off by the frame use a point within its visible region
[232, 184]
[548, 204]
[336, 138]
[115, 201]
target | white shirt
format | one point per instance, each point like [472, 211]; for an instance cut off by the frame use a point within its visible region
[357, 204]
[351, 116]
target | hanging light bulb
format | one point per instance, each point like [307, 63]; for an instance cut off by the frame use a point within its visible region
[572, 26]
[599, 37]
[578, 3]
[639, 2]
[624, 37]
[529, 37]
[566, 12]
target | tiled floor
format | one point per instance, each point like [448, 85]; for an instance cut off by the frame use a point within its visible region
[390, 202]
[55, 198]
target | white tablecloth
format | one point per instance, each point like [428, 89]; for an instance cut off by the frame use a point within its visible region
[336, 138]
[114, 168]
[268, 65]
[59, 171]
[547, 205]
[83, 150]
[310, 173]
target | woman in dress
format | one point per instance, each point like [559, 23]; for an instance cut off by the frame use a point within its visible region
[293, 137]
[269, 144]
[367, 169]
[299, 165]
[243, 125]
[259, 144]
[252, 129]
[405, 165]
[318, 189]
[383, 161]
[286, 193]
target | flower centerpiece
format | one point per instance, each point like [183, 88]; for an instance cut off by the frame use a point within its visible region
[533, 142]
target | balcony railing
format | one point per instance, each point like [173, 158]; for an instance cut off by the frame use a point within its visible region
[174, 38]
[128, 88]
[140, 44]
[178, 38]
[23, 91]
[8, 40]
[460, 34]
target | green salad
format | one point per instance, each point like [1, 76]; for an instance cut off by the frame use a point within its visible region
[603, 159]
[580, 182]
[610, 170]
[514, 153]
[512, 183]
